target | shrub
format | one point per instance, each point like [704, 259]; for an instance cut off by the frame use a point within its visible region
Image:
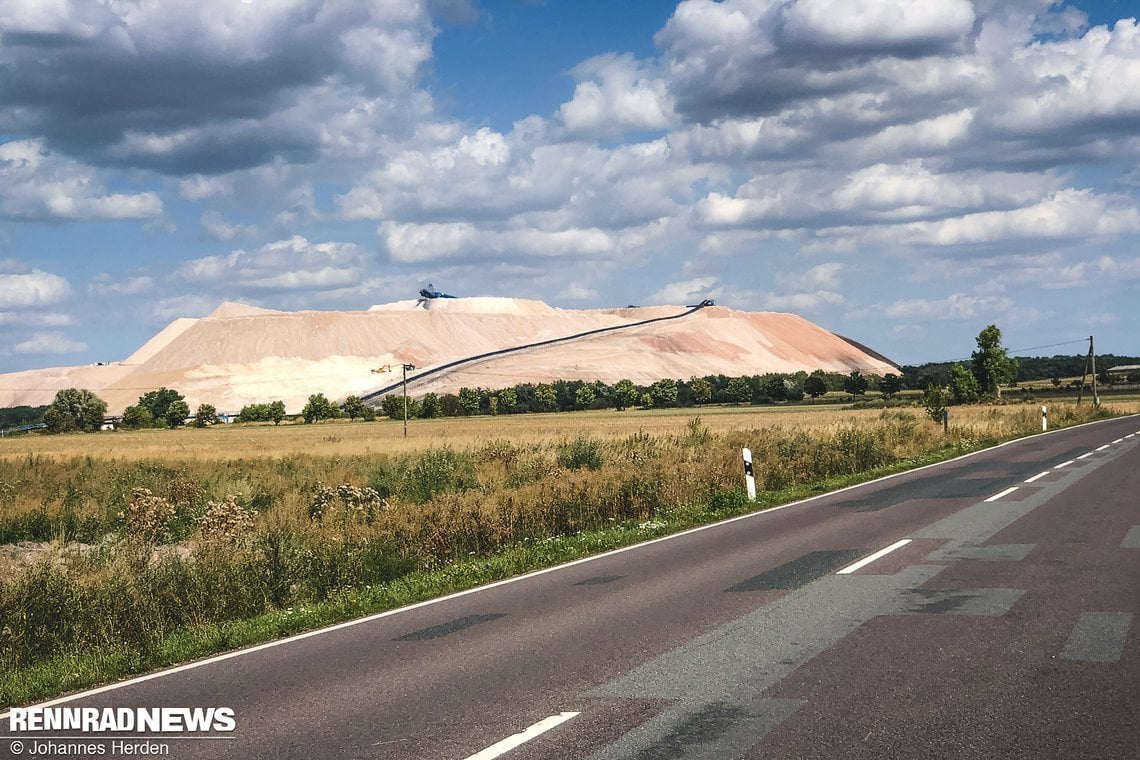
[580, 453]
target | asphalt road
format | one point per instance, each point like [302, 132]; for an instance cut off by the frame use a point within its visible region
[1005, 627]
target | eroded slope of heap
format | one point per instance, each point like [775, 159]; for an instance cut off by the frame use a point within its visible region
[241, 354]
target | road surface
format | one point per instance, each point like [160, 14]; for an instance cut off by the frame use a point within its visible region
[981, 608]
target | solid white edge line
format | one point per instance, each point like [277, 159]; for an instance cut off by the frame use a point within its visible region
[498, 749]
[997, 496]
[1119, 440]
[1064, 464]
[545, 570]
[871, 558]
[1086, 456]
[1102, 448]
[1038, 476]
[1130, 435]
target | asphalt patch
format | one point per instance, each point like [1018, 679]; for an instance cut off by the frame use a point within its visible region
[448, 628]
[599, 580]
[701, 728]
[800, 571]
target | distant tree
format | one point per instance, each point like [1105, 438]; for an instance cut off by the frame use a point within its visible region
[469, 401]
[626, 394]
[701, 390]
[449, 405]
[318, 408]
[815, 386]
[429, 406]
[934, 400]
[275, 411]
[135, 417]
[855, 383]
[205, 415]
[75, 409]
[774, 387]
[739, 390]
[964, 388]
[353, 407]
[890, 385]
[158, 403]
[585, 397]
[793, 391]
[664, 393]
[546, 398]
[1056, 380]
[176, 413]
[508, 400]
[392, 406]
[990, 364]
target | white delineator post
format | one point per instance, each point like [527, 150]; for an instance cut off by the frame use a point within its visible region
[749, 478]
[1044, 418]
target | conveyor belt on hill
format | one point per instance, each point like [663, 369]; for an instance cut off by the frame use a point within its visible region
[374, 395]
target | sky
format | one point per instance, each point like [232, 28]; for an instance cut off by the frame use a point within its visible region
[903, 173]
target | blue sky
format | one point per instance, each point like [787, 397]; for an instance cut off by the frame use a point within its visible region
[901, 173]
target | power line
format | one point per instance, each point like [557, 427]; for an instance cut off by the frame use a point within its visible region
[1050, 345]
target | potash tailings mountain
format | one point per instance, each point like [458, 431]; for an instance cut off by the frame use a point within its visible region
[241, 354]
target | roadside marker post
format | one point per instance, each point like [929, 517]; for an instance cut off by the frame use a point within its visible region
[749, 478]
[945, 420]
[1044, 418]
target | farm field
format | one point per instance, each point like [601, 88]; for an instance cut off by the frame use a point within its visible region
[340, 438]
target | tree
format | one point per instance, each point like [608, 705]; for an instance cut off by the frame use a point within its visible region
[206, 415]
[664, 393]
[701, 389]
[855, 383]
[319, 408]
[276, 411]
[774, 387]
[585, 397]
[739, 390]
[815, 386]
[75, 409]
[177, 412]
[135, 417]
[469, 401]
[890, 385]
[158, 403]
[546, 398]
[626, 394]
[353, 407]
[430, 407]
[934, 400]
[508, 400]
[991, 365]
[964, 387]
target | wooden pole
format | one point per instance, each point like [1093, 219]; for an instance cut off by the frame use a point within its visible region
[1092, 355]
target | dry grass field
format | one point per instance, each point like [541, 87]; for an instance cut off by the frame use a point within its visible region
[341, 438]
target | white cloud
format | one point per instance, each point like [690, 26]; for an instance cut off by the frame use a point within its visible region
[37, 184]
[614, 95]
[32, 289]
[36, 318]
[217, 227]
[876, 24]
[294, 264]
[105, 285]
[957, 307]
[49, 343]
[687, 291]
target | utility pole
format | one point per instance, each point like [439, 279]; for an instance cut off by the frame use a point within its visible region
[1092, 354]
[1090, 361]
[406, 368]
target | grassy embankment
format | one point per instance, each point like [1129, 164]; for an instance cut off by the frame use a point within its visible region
[352, 519]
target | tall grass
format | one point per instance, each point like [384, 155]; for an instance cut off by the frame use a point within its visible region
[229, 540]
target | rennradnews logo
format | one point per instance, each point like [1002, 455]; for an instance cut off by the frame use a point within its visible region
[93, 720]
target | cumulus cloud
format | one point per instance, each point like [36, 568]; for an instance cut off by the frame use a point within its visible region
[105, 285]
[49, 343]
[32, 289]
[687, 291]
[205, 85]
[218, 227]
[295, 264]
[37, 184]
[615, 94]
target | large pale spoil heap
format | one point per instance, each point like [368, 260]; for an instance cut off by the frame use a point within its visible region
[241, 354]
